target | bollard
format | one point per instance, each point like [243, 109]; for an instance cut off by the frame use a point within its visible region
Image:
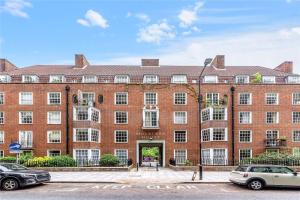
[156, 166]
[137, 166]
[200, 172]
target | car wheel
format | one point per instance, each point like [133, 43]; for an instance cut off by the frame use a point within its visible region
[10, 184]
[256, 185]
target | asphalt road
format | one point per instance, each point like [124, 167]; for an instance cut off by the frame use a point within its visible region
[86, 191]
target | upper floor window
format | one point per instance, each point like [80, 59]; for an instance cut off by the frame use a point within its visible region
[214, 113]
[150, 98]
[121, 79]
[88, 96]
[296, 117]
[210, 79]
[121, 117]
[25, 139]
[293, 79]
[180, 136]
[242, 79]
[89, 79]
[179, 79]
[1, 117]
[150, 79]
[1, 137]
[121, 136]
[54, 136]
[30, 79]
[296, 136]
[54, 117]
[25, 117]
[180, 117]
[86, 135]
[212, 99]
[245, 154]
[54, 98]
[1, 98]
[5, 78]
[121, 98]
[56, 79]
[245, 98]
[272, 117]
[151, 118]
[245, 117]
[180, 98]
[296, 98]
[25, 98]
[268, 79]
[245, 136]
[219, 134]
[272, 98]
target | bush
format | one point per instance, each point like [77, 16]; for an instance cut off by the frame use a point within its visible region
[8, 159]
[109, 160]
[58, 161]
[24, 157]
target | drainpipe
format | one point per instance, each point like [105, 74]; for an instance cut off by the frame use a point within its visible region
[232, 89]
[67, 88]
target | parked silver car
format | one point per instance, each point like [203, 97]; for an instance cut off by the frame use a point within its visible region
[257, 177]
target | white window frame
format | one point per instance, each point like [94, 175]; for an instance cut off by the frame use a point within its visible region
[89, 153]
[118, 78]
[25, 93]
[244, 141]
[31, 142]
[145, 99]
[186, 117]
[293, 132]
[245, 149]
[48, 98]
[115, 137]
[277, 117]
[89, 135]
[293, 117]
[268, 79]
[152, 76]
[5, 79]
[2, 95]
[48, 150]
[115, 117]
[272, 93]
[126, 150]
[213, 94]
[186, 136]
[250, 96]
[48, 137]
[211, 79]
[293, 79]
[35, 78]
[174, 98]
[20, 117]
[186, 156]
[3, 116]
[145, 122]
[3, 137]
[48, 117]
[89, 79]
[116, 93]
[57, 78]
[250, 117]
[245, 77]
[179, 79]
[293, 98]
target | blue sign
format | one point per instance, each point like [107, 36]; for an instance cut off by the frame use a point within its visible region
[15, 147]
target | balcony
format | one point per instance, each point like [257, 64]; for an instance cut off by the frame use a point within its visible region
[150, 119]
[275, 143]
[86, 116]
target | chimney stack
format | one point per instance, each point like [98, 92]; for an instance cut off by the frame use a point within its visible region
[6, 66]
[286, 67]
[219, 62]
[80, 61]
[150, 63]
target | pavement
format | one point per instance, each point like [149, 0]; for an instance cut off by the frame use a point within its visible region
[143, 191]
[144, 175]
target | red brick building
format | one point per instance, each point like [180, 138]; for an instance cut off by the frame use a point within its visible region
[89, 110]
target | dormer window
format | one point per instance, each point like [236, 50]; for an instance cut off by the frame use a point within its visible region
[56, 79]
[30, 79]
[179, 79]
[242, 79]
[89, 79]
[268, 79]
[210, 79]
[5, 78]
[121, 79]
[150, 79]
[293, 79]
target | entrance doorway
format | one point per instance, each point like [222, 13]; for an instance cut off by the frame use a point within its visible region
[148, 153]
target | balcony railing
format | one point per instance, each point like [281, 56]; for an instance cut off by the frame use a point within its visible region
[151, 124]
[275, 143]
[86, 113]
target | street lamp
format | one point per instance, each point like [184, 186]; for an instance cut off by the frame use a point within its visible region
[206, 62]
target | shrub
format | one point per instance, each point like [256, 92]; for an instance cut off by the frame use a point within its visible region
[188, 163]
[58, 161]
[8, 159]
[109, 160]
[24, 157]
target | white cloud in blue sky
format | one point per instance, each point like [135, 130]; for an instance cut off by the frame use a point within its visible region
[188, 17]
[16, 7]
[93, 18]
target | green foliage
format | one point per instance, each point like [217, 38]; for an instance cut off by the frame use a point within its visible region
[57, 161]
[257, 78]
[109, 160]
[188, 163]
[8, 159]
[150, 152]
[24, 157]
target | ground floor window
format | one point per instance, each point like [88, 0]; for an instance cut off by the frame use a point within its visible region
[122, 154]
[180, 156]
[53, 153]
[245, 154]
[296, 151]
[87, 156]
[1, 153]
[214, 156]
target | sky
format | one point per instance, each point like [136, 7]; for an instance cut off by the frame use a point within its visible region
[178, 32]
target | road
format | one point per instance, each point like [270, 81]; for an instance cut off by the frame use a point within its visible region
[87, 191]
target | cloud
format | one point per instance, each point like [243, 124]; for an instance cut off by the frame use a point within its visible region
[155, 33]
[16, 7]
[267, 48]
[143, 17]
[93, 18]
[187, 17]
[287, 33]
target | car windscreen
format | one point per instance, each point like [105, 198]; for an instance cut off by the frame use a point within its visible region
[241, 169]
[12, 167]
